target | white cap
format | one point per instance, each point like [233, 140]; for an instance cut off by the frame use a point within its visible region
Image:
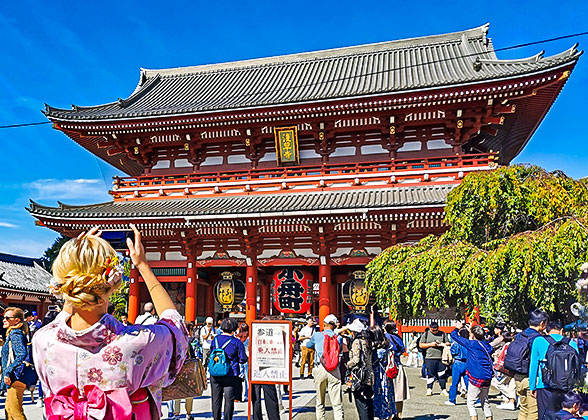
[209, 320]
[330, 319]
[356, 326]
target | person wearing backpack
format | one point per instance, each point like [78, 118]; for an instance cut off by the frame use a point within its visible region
[360, 364]
[554, 368]
[327, 375]
[226, 354]
[502, 380]
[518, 358]
[433, 341]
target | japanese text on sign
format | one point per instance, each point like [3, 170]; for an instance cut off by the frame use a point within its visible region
[270, 352]
[287, 144]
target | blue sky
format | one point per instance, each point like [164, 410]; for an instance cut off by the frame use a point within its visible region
[88, 53]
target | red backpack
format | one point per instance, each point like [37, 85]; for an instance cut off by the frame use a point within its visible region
[330, 357]
[499, 365]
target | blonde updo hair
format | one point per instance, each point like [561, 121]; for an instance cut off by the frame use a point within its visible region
[79, 271]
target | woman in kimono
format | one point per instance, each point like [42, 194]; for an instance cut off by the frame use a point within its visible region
[89, 363]
[384, 398]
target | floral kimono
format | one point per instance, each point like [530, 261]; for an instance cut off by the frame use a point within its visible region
[108, 370]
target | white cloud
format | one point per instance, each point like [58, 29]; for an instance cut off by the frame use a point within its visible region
[90, 190]
[7, 225]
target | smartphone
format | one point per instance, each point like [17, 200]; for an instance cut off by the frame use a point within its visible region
[118, 238]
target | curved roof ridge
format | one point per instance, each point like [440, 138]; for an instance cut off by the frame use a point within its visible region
[142, 87]
[33, 205]
[569, 53]
[480, 31]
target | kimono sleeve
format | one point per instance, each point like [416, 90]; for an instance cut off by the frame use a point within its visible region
[166, 351]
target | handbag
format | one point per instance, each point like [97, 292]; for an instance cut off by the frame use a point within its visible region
[189, 382]
[25, 372]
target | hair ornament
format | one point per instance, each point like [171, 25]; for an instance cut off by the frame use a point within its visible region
[113, 270]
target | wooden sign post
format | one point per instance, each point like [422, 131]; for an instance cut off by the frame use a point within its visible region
[270, 356]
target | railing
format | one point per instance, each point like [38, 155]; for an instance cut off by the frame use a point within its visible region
[288, 177]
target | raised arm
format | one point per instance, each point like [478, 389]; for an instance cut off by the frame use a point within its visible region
[159, 295]
[458, 338]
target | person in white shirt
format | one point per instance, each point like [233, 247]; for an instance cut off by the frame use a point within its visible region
[207, 334]
[307, 354]
[148, 317]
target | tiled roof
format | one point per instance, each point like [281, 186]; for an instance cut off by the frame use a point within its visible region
[374, 69]
[283, 204]
[23, 274]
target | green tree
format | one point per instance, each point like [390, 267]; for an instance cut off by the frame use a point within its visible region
[516, 238]
[51, 253]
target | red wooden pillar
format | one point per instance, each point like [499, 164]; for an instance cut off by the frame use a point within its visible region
[191, 289]
[134, 294]
[333, 297]
[324, 292]
[264, 296]
[251, 294]
[210, 299]
[474, 319]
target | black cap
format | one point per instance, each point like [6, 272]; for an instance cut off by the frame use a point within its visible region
[434, 324]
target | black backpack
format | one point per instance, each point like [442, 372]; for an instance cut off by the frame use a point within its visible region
[561, 368]
[518, 354]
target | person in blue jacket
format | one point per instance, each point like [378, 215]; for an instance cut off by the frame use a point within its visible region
[458, 370]
[547, 399]
[478, 368]
[14, 353]
[229, 386]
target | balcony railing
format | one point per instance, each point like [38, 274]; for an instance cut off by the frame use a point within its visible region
[296, 177]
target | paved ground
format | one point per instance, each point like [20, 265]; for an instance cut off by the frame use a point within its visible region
[418, 407]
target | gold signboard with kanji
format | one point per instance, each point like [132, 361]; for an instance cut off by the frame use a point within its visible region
[287, 145]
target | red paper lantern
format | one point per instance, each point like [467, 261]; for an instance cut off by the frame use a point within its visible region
[292, 290]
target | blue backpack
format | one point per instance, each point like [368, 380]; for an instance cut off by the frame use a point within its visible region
[218, 364]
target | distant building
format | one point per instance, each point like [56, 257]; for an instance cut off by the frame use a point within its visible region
[24, 283]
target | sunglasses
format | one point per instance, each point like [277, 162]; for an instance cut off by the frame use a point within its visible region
[9, 317]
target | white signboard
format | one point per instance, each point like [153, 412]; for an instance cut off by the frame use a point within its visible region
[271, 352]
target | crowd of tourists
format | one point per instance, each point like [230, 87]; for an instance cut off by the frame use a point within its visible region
[90, 365]
[535, 370]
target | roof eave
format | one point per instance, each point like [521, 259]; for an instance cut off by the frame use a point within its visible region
[572, 60]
